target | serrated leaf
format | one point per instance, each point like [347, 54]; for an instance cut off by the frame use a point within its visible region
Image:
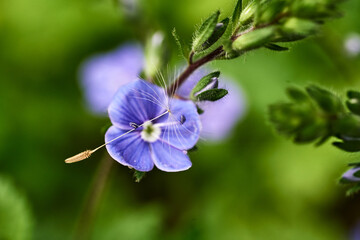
[236, 14]
[203, 82]
[212, 95]
[205, 31]
[219, 31]
[275, 47]
[183, 48]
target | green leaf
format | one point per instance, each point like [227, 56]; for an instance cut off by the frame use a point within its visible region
[236, 14]
[16, 218]
[199, 110]
[295, 29]
[254, 39]
[205, 31]
[326, 100]
[203, 82]
[248, 13]
[353, 190]
[348, 146]
[353, 105]
[219, 31]
[275, 47]
[184, 49]
[268, 12]
[353, 94]
[297, 94]
[212, 95]
[138, 175]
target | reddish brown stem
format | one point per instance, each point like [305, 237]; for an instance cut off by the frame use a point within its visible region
[192, 67]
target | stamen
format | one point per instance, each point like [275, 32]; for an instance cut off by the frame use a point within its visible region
[182, 119]
[86, 154]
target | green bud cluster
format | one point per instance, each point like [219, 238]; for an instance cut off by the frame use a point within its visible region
[317, 114]
[265, 23]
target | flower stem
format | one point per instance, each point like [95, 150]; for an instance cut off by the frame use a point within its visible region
[217, 52]
[192, 67]
[93, 198]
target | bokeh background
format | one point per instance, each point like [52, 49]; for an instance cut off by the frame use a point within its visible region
[253, 185]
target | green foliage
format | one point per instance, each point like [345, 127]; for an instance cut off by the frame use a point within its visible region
[248, 13]
[310, 116]
[204, 82]
[184, 48]
[275, 47]
[326, 100]
[254, 39]
[353, 103]
[204, 32]
[138, 175]
[15, 216]
[154, 55]
[219, 31]
[212, 95]
[236, 15]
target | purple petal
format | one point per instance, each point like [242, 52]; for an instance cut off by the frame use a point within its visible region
[168, 158]
[182, 126]
[137, 102]
[349, 175]
[220, 117]
[102, 75]
[129, 150]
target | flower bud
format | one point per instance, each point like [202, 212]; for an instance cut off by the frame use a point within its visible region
[254, 39]
[154, 51]
[248, 13]
[296, 29]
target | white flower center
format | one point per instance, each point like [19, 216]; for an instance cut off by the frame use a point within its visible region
[151, 132]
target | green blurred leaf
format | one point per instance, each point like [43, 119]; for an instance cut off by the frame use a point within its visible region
[183, 48]
[16, 221]
[138, 175]
[326, 100]
[296, 94]
[353, 190]
[348, 146]
[275, 47]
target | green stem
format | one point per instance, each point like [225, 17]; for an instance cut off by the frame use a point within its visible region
[93, 198]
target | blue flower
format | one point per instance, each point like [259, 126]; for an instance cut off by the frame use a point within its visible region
[352, 175]
[101, 76]
[151, 129]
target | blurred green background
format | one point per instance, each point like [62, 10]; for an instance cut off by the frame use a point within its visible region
[254, 185]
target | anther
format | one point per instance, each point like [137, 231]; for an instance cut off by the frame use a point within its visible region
[133, 125]
[182, 119]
